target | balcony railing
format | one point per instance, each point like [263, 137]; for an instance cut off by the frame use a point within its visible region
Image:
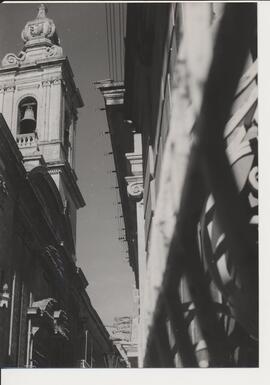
[27, 140]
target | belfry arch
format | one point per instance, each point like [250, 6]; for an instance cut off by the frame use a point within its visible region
[27, 115]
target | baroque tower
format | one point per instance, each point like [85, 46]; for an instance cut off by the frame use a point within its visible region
[39, 101]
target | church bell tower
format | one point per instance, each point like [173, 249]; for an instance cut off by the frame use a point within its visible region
[39, 101]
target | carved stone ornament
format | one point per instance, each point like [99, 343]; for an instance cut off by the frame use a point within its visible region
[40, 27]
[49, 82]
[54, 51]
[10, 88]
[135, 190]
[41, 41]
[46, 83]
[12, 59]
[56, 81]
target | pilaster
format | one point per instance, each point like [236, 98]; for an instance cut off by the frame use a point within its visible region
[9, 104]
[135, 192]
[54, 120]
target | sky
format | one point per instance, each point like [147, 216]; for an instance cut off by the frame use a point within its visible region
[82, 32]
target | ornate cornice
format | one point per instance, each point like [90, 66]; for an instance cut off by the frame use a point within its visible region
[113, 92]
[45, 83]
[12, 60]
[56, 81]
[7, 87]
[49, 82]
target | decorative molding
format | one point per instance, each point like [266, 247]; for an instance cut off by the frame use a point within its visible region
[113, 92]
[135, 181]
[11, 59]
[49, 82]
[54, 51]
[7, 87]
[55, 171]
[56, 81]
[10, 88]
[135, 189]
[45, 83]
[40, 27]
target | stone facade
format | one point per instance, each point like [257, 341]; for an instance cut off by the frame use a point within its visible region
[46, 316]
[195, 307]
[174, 99]
[41, 77]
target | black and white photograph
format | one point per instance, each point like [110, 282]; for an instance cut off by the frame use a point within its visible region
[129, 186]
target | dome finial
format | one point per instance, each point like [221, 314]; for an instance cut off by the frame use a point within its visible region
[40, 28]
[42, 11]
[40, 41]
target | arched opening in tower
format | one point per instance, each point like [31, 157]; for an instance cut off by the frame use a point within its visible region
[27, 116]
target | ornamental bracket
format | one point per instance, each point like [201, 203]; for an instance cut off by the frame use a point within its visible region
[135, 180]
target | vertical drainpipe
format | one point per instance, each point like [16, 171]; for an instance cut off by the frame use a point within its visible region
[85, 347]
[28, 355]
[91, 356]
[11, 313]
[29, 339]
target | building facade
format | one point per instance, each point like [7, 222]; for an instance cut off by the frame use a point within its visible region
[187, 166]
[46, 316]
